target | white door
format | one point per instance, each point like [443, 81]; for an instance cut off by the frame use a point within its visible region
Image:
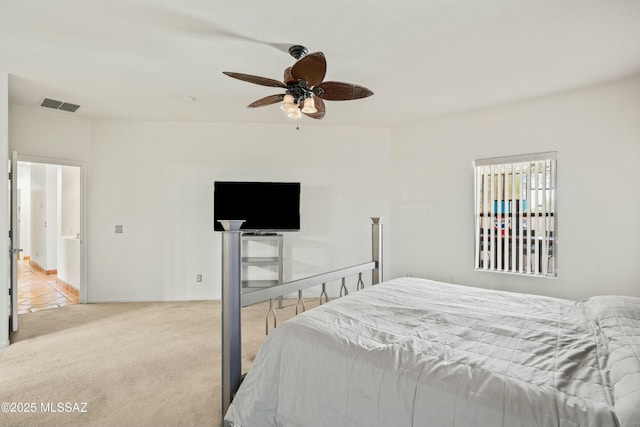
[14, 236]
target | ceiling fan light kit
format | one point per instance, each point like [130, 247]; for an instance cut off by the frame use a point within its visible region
[295, 114]
[288, 104]
[305, 88]
[309, 106]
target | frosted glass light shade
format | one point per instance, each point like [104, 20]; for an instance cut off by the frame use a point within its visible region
[288, 104]
[309, 106]
[295, 114]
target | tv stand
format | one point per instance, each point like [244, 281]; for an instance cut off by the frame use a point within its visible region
[259, 233]
[262, 261]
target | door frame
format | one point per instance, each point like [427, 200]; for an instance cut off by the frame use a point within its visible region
[14, 237]
[83, 212]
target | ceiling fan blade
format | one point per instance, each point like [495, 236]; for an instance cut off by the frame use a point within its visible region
[264, 81]
[319, 103]
[195, 25]
[338, 91]
[288, 78]
[267, 100]
[311, 68]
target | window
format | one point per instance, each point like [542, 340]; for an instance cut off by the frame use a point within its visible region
[515, 213]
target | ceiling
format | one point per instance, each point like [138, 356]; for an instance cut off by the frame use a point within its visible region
[144, 59]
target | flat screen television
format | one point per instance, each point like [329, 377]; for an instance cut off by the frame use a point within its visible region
[265, 206]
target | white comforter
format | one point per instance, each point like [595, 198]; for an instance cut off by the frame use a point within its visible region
[413, 352]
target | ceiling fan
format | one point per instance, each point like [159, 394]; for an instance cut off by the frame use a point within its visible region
[305, 88]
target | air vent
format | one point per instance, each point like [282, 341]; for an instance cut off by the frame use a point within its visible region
[68, 107]
[59, 105]
[51, 103]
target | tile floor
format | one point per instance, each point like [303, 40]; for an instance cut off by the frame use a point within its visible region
[38, 291]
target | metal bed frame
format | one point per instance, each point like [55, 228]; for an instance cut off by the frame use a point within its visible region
[233, 300]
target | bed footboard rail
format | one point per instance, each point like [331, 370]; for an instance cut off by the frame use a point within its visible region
[233, 300]
[266, 294]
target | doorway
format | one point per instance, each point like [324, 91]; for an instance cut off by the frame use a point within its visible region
[49, 223]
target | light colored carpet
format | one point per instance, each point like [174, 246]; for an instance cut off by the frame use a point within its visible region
[133, 364]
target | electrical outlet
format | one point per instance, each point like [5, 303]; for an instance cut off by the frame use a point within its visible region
[199, 278]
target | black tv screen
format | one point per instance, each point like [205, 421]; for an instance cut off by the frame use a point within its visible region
[265, 206]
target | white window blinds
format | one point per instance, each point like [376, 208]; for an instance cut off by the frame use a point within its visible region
[515, 212]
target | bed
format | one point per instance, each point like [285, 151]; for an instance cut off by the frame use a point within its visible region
[414, 352]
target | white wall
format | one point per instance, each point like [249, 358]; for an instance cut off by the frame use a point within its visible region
[43, 135]
[44, 215]
[4, 195]
[24, 187]
[68, 265]
[38, 215]
[68, 247]
[597, 134]
[47, 133]
[69, 200]
[51, 224]
[156, 179]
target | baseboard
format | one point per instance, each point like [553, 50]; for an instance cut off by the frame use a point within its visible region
[35, 266]
[67, 287]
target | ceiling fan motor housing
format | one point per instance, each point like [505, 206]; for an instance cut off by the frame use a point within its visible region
[300, 90]
[298, 51]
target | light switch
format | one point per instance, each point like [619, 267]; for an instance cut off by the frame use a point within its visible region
[119, 229]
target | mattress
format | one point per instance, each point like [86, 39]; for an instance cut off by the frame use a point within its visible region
[414, 352]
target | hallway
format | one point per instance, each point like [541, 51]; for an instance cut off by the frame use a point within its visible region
[38, 291]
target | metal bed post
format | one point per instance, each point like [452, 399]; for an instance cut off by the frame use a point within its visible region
[376, 243]
[233, 300]
[231, 307]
